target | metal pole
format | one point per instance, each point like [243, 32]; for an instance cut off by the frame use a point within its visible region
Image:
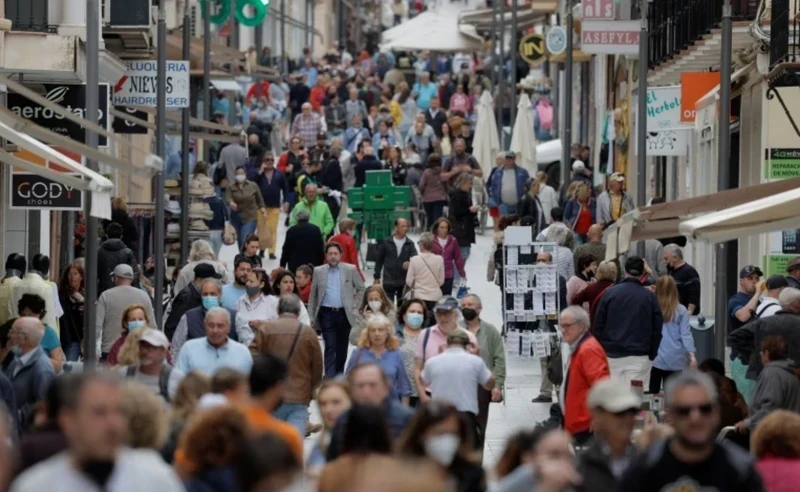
[723, 178]
[92, 103]
[284, 60]
[161, 132]
[512, 53]
[501, 88]
[207, 73]
[496, 56]
[187, 40]
[566, 138]
[641, 128]
[313, 6]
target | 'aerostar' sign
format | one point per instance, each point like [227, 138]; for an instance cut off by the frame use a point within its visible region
[139, 85]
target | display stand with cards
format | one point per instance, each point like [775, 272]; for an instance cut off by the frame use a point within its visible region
[531, 294]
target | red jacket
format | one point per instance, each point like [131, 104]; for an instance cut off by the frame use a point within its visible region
[350, 254]
[587, 365]
[317, 96]
[305, 292]
[779, 474]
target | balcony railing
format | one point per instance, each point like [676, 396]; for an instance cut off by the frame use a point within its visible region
[675, 25]
[784, 32]
[29, 15]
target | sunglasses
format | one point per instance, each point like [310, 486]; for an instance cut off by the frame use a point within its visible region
[704, 409]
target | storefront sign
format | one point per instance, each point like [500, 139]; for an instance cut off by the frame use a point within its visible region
[556, 40]
[695, 85]
[73, 99]
[34, 192]
[531, 49]
[776, 264]
[598, 9]
[783, 163]
[139, 85]
[126, 127]
[610, 37]
[663, 108]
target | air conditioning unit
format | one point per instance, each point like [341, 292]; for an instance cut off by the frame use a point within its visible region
[130, 14]
[105, 11]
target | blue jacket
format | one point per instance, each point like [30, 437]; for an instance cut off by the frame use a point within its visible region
[350, 140]
[270, 190]
[496, 183]
[629, 321]
[30, 384]
[376, 140]
[573, 209]
[220, 213]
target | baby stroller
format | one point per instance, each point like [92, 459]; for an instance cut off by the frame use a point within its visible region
[480, 198]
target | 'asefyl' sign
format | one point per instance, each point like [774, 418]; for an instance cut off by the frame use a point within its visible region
[31, 191]
[70, 97]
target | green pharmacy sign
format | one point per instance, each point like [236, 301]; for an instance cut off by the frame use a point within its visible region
[260, 8]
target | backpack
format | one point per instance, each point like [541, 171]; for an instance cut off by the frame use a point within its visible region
[163, 380]
[555, 366]
[544, 112]
[220, 174]
[763, 305]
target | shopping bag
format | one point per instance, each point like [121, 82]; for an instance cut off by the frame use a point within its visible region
[264, 234]
[462, 291]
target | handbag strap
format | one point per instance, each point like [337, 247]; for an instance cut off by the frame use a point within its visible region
[426, 265]
[294, 342]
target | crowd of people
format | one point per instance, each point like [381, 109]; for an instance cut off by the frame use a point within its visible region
[261, 328]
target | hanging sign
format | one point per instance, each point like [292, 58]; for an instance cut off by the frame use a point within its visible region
[33, 192]
[598, 10]
[127, 127]
[532, 49]
[260, 8]
[666, 136]
[138, 87]
[610, 37]
[695, 85]
[556, 41]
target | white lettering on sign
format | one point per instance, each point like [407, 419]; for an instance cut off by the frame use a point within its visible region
[139, 85]
[610, 37]
[598, 9]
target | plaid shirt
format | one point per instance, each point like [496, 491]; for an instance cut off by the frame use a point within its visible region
[307, 127]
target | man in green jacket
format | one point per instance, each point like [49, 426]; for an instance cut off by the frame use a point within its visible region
[490, 345]
[317, 209]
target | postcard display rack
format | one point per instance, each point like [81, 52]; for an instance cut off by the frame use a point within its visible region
[531, 297]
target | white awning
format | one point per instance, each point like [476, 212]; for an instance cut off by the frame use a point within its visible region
[226, 85]
[100, 187]
[772, 213]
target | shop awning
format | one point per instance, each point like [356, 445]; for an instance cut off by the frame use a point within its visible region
[226, 85]
[713, 94]
[226, 137]
[771, 213]
[664, 220]
[100, 187]
[482, 18]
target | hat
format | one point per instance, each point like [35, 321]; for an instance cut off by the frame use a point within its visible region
[322, 135]
[446, 303]
[458, 337]
[750, 270]
[777, 282]
[613, 395]
[123, 270]
[634, 266]
[617, 177]
[156, 338]
[578, 165]
[795, 263]
[211, 400]
[206, 270]
[510, 155]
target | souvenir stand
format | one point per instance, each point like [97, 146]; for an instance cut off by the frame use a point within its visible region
[531, 295]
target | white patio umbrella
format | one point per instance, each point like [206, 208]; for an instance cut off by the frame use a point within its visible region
[435, 32]
[485, 144]
[523, 140]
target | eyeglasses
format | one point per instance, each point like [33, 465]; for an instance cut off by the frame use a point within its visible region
[704, 409]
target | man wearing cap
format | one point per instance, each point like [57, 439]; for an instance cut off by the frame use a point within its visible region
[190, 297]
[113, 302]
[152, 370]
[614, 202]
[793, 273]
[454, 376]
[741, 310]
[508, 185]
[433, 341]
[628, 325]
[587, 365]
[613, 406]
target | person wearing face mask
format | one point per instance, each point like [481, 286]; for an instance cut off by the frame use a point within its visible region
[153, 371]
[584, 275]
[441, 434]
[256, 306]
[192, 323]
[30, 372]
[188, 298]
[412, 316]
[134, 318]
[375, 302]
[245, 200]
[112, 304]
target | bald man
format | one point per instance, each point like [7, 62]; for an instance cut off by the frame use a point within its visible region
[307, 125]
[31, 371]
[594, 246]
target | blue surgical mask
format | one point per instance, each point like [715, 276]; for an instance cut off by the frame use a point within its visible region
[16, 350]
[210, 302]
[136, 324]
[415, 320]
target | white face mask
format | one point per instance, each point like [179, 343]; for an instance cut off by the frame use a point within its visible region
[443, 448]
[375, 306]
[241, 178]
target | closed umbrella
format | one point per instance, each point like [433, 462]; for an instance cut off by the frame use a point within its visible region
[485, 144]
[523, 140]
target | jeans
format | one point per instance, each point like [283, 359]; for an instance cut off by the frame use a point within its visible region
[242, 229]
[73, 351]
[656, 377]
[215, 239]
[465, 255]
[507, 209]
[433, 211]
[394, 293]
[295, 414]
[335, 332]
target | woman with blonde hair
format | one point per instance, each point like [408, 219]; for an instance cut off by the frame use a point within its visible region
[605, 276]
[184, 405]
[676, 350]
[147, 416]
[379, 344]
[375, 302]
[580, 211]
[134, 319]
[333, 399]
[547, 195]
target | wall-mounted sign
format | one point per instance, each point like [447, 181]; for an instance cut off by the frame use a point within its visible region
[599, 10]
[610, 37]
[259, 10]
[695, 85]
[73, 99]
[139, 85]
[34, 192]
[666, 136]
[783, 163]
[532, 49]
[556, 40]
[127, 127]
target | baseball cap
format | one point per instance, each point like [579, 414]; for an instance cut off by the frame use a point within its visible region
[578, 165]
[795, 263]
[155, 338]
[446, 303]
[123, 270]
[613, 396]
[458, 337]
[617, 177]
[777, 282]
[750, 270]
[634, 266]
[510, 155]
[206, 270]
[322, 135]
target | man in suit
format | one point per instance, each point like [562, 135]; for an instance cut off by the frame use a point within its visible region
[336, 292]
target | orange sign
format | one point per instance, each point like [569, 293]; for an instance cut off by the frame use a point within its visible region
[35, 159]
[695, 85]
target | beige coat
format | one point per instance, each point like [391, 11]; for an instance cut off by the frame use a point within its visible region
[426, 276]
